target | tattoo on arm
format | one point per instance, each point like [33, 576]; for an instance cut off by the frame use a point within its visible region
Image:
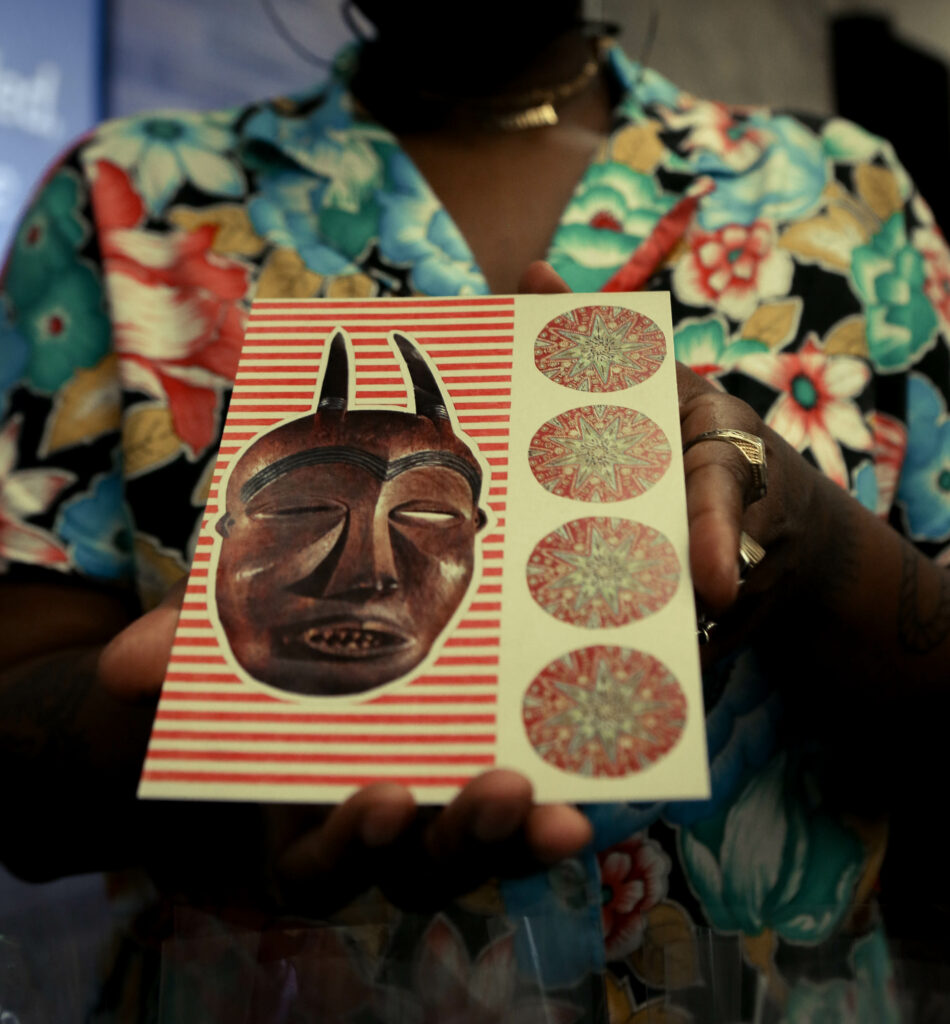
[920, 630]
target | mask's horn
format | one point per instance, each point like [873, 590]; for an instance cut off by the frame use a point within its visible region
[334, 391]
[429, 399]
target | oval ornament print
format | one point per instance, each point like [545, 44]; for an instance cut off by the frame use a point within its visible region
[599, 348]
[602, 572]
[599, 453]
[604, 712]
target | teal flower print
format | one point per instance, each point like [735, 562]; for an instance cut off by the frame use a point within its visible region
[705, 346]
[45, 244]
[291, 212]
[14, 356]
[98, 531]
[889, 278]
[416, 231]
[796, 878]
[165, 150]
[66, 328]
[612, 211]
[924, 489]
[870, 998]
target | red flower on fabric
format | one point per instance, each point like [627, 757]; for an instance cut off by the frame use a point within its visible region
[890, 447]
[25, 493]
[734, 267]
[176, 305]
[816, 409]
[633, 878]
[718, 128]
[937, 268]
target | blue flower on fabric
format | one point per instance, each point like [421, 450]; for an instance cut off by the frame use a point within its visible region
[774, 858]
[924, 487]
[642, 86]
[415, 231]
[331, 144]
[14, 356]
[98, 531]
[46, 242]
[558, 918]
[864, 486]
[612, 211]
[889, 276]
[290, 211]
[66, 327]
[165, 150]
[786, 184]
[741, 737]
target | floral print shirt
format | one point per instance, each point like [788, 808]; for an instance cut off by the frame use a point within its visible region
[810, 280]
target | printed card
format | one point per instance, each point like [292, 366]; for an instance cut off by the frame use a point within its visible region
[443, 535]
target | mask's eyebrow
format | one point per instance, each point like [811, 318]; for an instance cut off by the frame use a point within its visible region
[372, 464]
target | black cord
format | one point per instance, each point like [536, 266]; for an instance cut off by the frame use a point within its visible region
[280, 27]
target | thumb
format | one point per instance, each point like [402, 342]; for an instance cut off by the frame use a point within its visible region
[132, 665]
[540, 278]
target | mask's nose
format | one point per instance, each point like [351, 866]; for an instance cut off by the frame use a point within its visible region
[364, 565]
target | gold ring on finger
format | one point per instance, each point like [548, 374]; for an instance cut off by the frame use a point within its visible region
[752, 449]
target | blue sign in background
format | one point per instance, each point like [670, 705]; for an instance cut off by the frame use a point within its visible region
[51, 90]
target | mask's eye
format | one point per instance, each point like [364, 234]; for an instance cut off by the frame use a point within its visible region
[290, 506]
[437, 517]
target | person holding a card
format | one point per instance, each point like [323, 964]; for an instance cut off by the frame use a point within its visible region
[808, 288]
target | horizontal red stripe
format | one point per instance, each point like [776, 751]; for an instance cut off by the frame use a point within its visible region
[304, 780]
[206, 735]
[467, 680]
[322, 719]
[472, 641]
[241, 698]
[301, 757]
[470, 378]
[261, 306]
[260, 332]
[202, 677]
[437, 698]
[469, 659]
[358, 313]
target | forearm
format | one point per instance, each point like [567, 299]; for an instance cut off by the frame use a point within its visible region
[876, 609]
[70, 755]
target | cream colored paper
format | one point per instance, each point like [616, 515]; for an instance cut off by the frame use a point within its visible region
[221, 734]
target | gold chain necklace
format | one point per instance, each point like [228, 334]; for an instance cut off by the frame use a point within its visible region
[536, 108]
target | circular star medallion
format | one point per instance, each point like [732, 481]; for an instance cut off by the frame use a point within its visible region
[599, 453]
[599, 348]
[602, 572]
[604, 712]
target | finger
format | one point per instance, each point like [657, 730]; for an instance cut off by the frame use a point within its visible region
[540, 278]
[132, 665]
[490, 809]
[343, 846]
[716, 489]
[556, 831]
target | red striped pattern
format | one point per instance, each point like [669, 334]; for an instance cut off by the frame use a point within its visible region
[217, 735]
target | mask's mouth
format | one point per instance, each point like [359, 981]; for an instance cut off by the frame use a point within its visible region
[342, 640]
